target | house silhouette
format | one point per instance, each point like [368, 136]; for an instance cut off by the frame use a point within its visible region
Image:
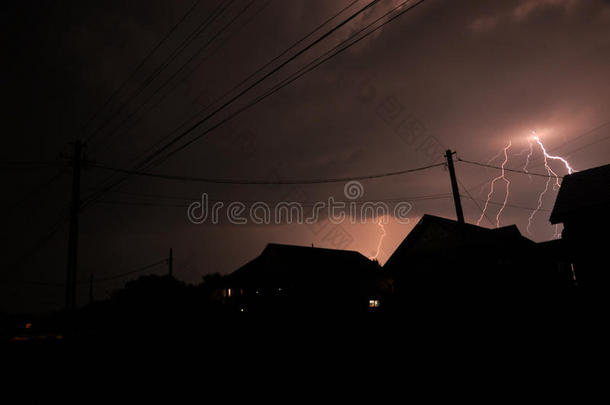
[582, 206]
[288, 279]
[443, 263]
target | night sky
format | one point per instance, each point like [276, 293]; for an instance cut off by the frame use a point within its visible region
[468, 76]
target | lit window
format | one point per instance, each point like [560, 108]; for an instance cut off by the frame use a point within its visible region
[374, 303]
[227, 292]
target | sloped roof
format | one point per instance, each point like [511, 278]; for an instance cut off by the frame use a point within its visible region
[433, 233]
[303, 261]
[582, 191]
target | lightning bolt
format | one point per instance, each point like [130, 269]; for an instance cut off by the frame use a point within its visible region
[530, 150]
[380, 223]
[534, 212]
[552, 174]
[489, 162]
[547, 156]
[534, 142]
[502, 176]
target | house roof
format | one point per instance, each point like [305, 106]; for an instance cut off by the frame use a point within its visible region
[582, 192]
[433, 234]
[303, 261]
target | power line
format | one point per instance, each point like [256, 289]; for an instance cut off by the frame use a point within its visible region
[263, 67]
[508, 170]
[57, 226]
[156, 153]
[184, 198]
[183, 45]
[252, 86]
[260, 69]
[274, 203]
[155, 48]
[605, 124]
[260, 182]
[167, 81]
[147, 160]
[92, 198]
[169, 91]
[588, 144]
[286, 82]
[509, 205]
[277, 68]
[256, 72]
[270, 62]
[475, 202]
[279, 86]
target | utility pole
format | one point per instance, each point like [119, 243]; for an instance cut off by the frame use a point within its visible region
[454, 187]
[171, 262]
[73, 237]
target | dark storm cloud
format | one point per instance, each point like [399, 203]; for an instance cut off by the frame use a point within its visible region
[466, 75]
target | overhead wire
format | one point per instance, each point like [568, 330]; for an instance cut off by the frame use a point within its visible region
[154, 154]
[261, 182]
[160, 99]
[167, 61]
[284, 83]
[116, 130]
[253, 74]
[506, 169]
[139, 67]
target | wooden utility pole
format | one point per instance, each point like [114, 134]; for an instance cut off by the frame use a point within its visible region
[73, 237]
[454, 187]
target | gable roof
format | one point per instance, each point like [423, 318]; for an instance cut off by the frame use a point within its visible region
[582, 191]
[291, 261]
[432, 234]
